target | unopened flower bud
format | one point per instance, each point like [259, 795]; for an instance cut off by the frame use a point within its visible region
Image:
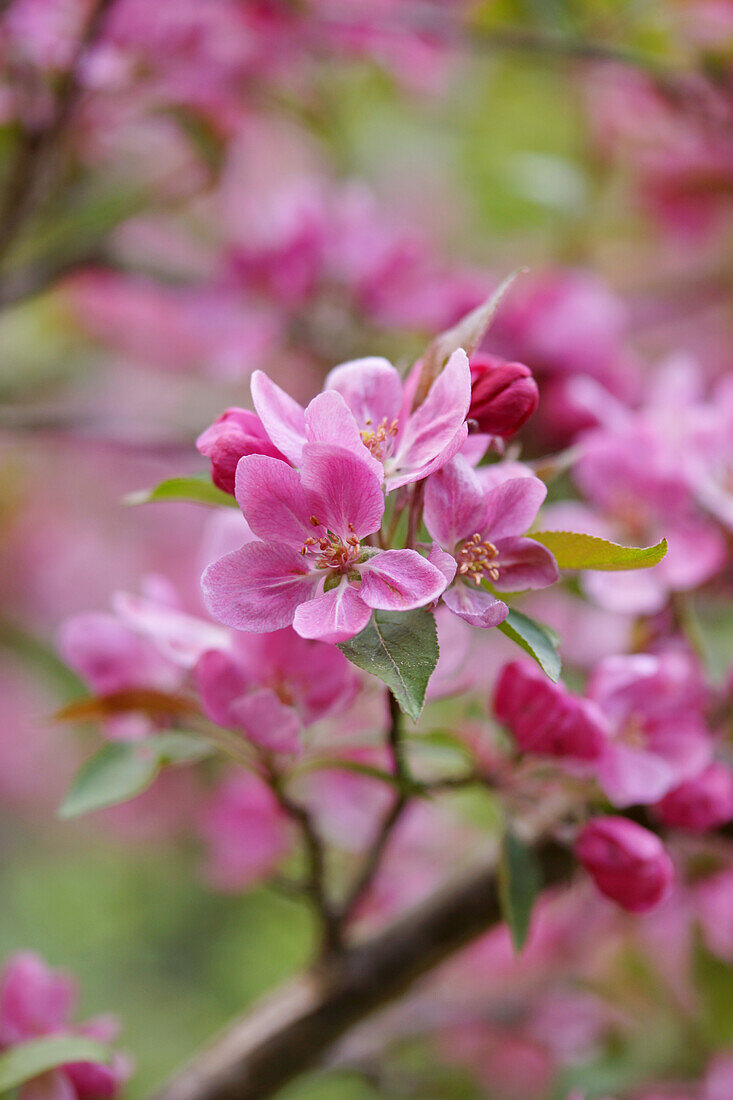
[627, 863]
[237, 432]
[503, 395]
[701, 803]
[545, 718]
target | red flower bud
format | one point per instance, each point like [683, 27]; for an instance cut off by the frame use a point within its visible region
[626, 862]
[545, 718]
[701, 803]
[236, 433]
[503, 395]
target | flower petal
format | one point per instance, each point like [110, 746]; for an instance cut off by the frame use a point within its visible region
[630, 775]
[272, 500]
[477, 606]
[454, 504]
[328, 419]
[512, 506]
[342, 490]
[283, 418]
[371, 388]
[220, 682]
[398, 580]
[524, 563]
[333, 617]
[180, 637]
[267, 722]
[258, 587]
[433, 428]
[446, 563]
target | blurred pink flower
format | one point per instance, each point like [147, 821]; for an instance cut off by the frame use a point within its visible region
[245, 831]
[626, 862]
[35, 1002]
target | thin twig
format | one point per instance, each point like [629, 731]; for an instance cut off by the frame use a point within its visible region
[373, 860]
[315, 886]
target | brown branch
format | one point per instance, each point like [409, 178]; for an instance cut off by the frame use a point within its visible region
[401, 772]
[315, 885]
[293, 1029]
[29, 173]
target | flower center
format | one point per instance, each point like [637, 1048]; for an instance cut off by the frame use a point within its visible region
[475, 559]
[632, 733]
[331, 551]
[377, 440]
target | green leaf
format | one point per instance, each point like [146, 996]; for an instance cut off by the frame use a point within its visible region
[573, 550]
[124, 769]
[519, 883]
[536, 639]
[180, 748]
[714, 983]
[401, 648]
[468, 332]
[119, 771]
[194, 490]
[28, 1060]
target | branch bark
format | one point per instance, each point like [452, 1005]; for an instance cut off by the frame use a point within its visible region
[293, 1029]
[33, 161]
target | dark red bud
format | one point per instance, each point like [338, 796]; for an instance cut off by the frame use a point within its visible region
[236, 433]
[503, 395]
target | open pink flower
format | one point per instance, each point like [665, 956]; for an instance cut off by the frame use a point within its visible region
[366, 409]
[36, 1001]
[308, 568]
[269, 687]
[657, 735]
[478, 536]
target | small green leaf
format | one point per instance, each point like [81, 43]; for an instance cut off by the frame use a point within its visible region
[194, 490]
[401, 648]
[124, 769]
[468, 332]
[519, 883]
[573, 550]
[28, 1060]
[120, 770]
[714, 984]
[180, 748]
[536, 639]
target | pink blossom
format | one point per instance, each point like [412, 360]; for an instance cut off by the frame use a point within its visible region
[478, 539]
[627, 863]
[268, 687]
[36, 1001]
[372, 417]
[703, 802]
[111, 657]
[237, 432]
[308, 568]
[657, 735]
[245, 830]
[545, 718]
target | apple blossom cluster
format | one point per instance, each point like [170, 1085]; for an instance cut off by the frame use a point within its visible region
[36, 1003]
[313, 485]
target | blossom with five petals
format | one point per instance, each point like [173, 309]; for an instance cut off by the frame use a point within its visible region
[308, 567]
[366, 408]
[477, 535]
